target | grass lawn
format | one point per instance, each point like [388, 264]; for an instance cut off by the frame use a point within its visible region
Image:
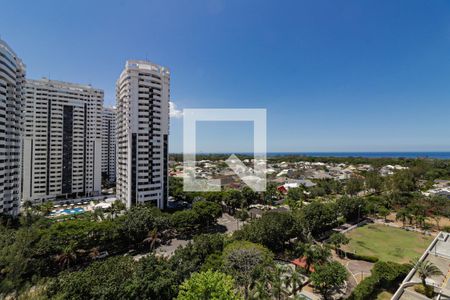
[387, 243]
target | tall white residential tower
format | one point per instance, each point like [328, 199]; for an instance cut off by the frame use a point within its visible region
[12, 79]
[62, 141]
[142, 94]
[109, 145]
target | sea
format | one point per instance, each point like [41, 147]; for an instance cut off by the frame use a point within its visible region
[435, 155]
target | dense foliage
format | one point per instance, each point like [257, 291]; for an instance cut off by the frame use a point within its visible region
[329, 277]
[384, 275]
[109, 254]
[40, 247]
[272, 230]
[208, 285]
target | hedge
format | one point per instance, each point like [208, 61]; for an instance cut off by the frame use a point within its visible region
[385, 275]
[368, 258]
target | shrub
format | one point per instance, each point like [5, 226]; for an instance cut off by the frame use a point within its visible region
[384, 276]
[368, 258]
[424, 290]
[242, 214]
[365, 289]
[209, 285]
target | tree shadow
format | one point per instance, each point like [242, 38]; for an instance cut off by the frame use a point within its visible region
[217, 228]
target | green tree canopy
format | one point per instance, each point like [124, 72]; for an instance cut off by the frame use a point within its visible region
[246, 262]
[318, 217]
[272, 230]
[207, 212]
[352, 208]
[209, 285]
[328, 277]
[337, 240]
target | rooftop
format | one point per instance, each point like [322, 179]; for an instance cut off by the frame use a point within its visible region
[63, 85]
[147, 65]
[11, 52]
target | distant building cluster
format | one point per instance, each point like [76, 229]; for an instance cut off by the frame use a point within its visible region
[285, 174]
[440, 188]
[59, 143]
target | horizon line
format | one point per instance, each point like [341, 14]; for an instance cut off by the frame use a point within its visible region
[300, 152]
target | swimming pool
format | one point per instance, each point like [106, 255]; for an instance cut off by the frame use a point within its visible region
[68, 211]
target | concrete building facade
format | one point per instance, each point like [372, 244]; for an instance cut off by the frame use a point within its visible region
[12, 80]
[142, 95]
[109, 145]
[62, 141]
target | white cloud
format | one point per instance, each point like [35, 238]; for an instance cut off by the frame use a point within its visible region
[174, 112]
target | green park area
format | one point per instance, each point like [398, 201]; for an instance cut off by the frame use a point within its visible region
[387, 243]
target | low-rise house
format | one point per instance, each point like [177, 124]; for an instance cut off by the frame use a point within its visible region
[367, 168]
[438, 183]
[294, 183]
[319, 174]
[288, 172]
[298, 182]
[438, 192]
[270, 171]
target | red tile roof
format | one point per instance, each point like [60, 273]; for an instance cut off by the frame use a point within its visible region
[301, 262]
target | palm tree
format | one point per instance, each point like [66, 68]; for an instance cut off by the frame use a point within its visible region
[46, 207]
[426, 269]
[310, 256]
[420, 220]
[116, 207]
[94, 252]
[67, 257]
[260, 291]
[383, 212]
[402, 215]
[29, 211]
[98, 214]
[277, 283]
[27, 205]
[293, 282]
[316, 254]
[152, 238]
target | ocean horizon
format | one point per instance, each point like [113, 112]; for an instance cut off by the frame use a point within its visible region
[423, 154]
[387, 154]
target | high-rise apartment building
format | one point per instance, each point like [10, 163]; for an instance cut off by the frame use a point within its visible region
[109, 145]
[12, 79]
[142, 94]
[62, 141]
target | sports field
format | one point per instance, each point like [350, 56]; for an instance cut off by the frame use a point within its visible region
[387, 243]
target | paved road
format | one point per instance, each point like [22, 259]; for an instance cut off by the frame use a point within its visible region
[169, 249]
[231, 223]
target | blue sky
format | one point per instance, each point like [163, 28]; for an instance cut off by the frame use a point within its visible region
[333, 75]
